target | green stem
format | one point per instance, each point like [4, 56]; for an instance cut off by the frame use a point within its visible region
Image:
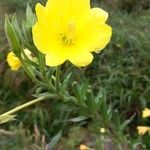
[57, 78]
[30, 103]
[41, 59]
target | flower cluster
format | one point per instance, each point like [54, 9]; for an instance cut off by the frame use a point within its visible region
[144, 129]
[63, 30]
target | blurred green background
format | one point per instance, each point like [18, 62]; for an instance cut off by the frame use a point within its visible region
[121, 72]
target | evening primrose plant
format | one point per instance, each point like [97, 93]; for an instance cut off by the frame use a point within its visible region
[57, 33]
[61, 38]
[63, 34]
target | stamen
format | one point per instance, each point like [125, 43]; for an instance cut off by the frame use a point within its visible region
[67, 37]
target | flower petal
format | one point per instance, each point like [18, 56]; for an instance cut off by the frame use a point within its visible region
[146, 113]
[82, 59]
[143, 129]
[40, 12]
[45, 40]
[53, 60]
[43, 17]
[99, 14]
[68, 8]
[96, 35]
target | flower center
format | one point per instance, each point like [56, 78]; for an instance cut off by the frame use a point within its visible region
[68, 36]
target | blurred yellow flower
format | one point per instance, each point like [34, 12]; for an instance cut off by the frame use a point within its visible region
[70, 30]
[146, 113]
[83, 147]
[143, 129]
[13, 61]
[102, 130]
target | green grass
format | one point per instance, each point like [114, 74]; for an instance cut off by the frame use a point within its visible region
[121, 72]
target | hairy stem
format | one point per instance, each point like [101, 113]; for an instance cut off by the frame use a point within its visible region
[48, 96]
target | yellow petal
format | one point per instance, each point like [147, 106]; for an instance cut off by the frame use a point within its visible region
[146, 113]
[142, 130]
[43, 17]
[95, 34]
[40, 12]
[40, 38]
[45, 40]
[83, 147]
[94, 37]
[81, 59]
[53, 60]
[99, 15]
[68, 8]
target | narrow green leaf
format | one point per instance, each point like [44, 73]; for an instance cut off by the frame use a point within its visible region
[90, 101]
[54, 141]
[65, 81]
[76, 91]
[126, 122]
[16, 27]
[12, 37]
[78, 119]
[30, 16]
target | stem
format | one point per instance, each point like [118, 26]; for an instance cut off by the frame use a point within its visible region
[41, 63]
[57, 78]
[30, 103]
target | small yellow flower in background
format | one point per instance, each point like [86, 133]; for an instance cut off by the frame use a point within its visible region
[70, 30]
[102, 130]
[143, 129]
[146, 113]
[13, 60]
[83, 147]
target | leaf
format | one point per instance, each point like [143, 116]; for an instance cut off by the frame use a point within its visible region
[90, 101]
[127, 122]
[12, 37]
[16, 27]
[54, 141]
[66, 81]
[6, 118]
[78, 119]
[116, 119]
[30, 16]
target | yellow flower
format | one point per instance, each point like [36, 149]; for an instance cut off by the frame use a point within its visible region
[70, 30]
[146, 113]
[83, 147]
[143, 129]
[102, 130]
[13, 61]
